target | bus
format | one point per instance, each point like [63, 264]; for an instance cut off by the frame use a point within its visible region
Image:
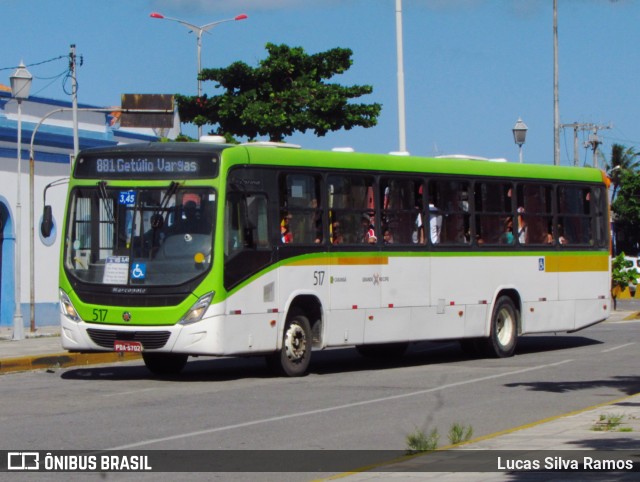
[201, 249]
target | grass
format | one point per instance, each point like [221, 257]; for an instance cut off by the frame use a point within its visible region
[420, 441]
[610, 422]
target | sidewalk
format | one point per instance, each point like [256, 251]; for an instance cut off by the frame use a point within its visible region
[41, 350]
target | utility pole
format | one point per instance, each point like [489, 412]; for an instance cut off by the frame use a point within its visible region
[594, 141]
[402, 134]
[556, 108]
[74, 99]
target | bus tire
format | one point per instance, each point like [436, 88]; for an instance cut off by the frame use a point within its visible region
[295, 355]
[504, 329]
[164, 364]
[383, 351]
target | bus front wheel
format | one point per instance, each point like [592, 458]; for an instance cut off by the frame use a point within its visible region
[293, 358]
[164, 364]
[504, 328]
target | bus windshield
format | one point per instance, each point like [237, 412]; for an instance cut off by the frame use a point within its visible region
[139, 237]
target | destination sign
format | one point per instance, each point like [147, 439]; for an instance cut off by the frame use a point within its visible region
[146, 167]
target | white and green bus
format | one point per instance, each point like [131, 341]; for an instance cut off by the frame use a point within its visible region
[198, 249]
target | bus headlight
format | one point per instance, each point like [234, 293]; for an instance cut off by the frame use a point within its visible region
[67, 308]
[196, 312]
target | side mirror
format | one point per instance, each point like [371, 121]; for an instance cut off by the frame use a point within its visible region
[47, 222]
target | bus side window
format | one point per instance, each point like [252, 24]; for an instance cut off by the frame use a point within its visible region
[402, 210]
[535, 213]
[246, 223]
[574, 215]
[300, 208]
[599, 203]
[450, 199]
[494, 220]
[351, 202]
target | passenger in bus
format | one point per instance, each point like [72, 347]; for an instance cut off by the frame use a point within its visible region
[387, 237]
[435, 223]
[189, 222]
[336, 233]
[285, 234]
[417, 236]
[507, 233]
[522, 226]
[317, 221]
[561, 237]
[368, 233]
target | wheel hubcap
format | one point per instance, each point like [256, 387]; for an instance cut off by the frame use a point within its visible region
[295, 343]
[505, 327]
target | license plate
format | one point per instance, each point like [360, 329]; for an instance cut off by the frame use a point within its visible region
[134, 346]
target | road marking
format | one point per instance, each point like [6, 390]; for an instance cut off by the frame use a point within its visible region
[130, 392]
[616, 347]
[333, 409]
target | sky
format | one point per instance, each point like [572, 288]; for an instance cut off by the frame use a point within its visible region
[472, 68]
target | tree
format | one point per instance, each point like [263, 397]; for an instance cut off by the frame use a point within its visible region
[623, 274]
[626, 211]
[288, 92]
[622, 159]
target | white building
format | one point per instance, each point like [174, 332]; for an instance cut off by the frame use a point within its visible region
[53, 146]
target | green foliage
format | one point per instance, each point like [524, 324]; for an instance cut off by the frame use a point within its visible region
[623, 274]
[459, 433]
[288, 92]
[623, 159]
[626, 210]
[418, 441]
[608, 423]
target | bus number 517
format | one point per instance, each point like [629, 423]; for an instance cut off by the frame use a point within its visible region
[318, 278]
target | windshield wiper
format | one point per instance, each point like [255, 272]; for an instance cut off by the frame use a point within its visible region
[102, 190]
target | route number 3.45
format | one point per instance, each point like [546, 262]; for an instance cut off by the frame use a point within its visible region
[318, 278]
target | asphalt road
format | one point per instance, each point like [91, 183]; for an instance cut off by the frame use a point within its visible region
[346, 402]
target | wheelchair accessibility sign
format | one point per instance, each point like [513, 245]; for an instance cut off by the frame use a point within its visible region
[138, 271]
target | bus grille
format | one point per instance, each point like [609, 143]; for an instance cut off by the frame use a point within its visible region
[150, 339]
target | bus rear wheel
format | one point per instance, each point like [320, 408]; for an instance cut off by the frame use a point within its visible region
[504, 329]
[295, 355]
[164, 364]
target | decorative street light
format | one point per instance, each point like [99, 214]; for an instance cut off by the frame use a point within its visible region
[199, 31]
[20, 87]
[519, 135]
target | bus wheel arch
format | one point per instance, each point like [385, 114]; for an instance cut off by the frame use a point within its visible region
[504, 324]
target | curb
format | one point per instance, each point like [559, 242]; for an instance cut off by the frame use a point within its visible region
[62, 360]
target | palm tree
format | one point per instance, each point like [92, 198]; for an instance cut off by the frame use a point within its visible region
[622, 159]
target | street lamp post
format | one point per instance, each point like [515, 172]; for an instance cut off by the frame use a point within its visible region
[20, 87]
[402, 132]
[199, 31]
[519, 135]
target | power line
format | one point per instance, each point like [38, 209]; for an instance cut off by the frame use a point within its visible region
[36, 63]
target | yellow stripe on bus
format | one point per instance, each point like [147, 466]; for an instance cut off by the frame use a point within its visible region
[565, 264]
[342, 261]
